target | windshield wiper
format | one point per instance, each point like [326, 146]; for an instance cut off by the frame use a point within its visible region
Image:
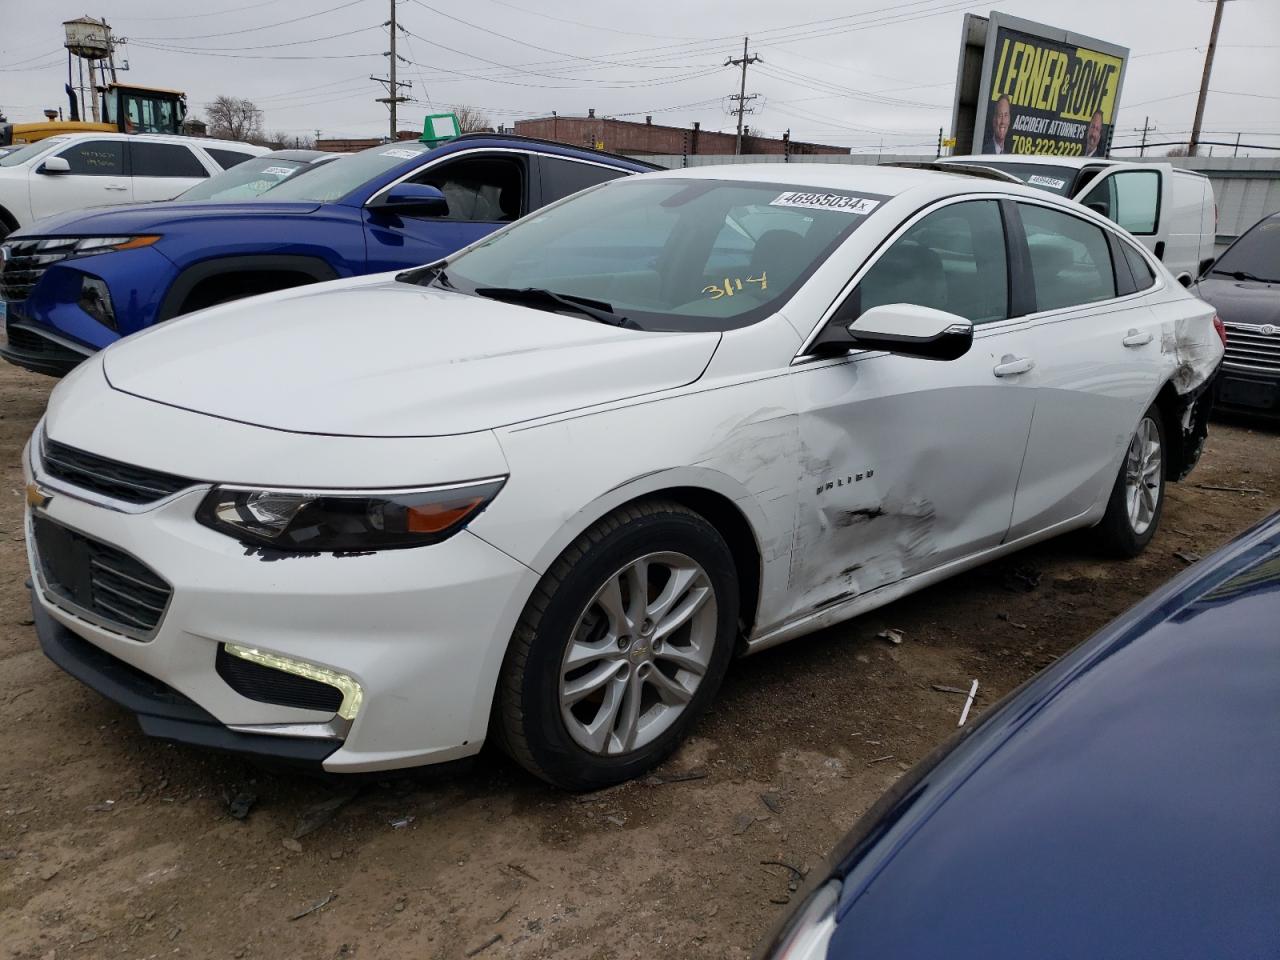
[1243, 275]
[597, 310]
[429, 276]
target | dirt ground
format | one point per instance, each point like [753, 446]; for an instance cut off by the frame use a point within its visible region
[112, 845]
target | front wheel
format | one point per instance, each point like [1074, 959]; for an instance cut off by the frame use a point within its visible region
[1137, 499]
[621, 647]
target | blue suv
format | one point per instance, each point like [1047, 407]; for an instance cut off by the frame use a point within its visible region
[73, 284]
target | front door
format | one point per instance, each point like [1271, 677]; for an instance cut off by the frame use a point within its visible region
[97, 177]
[161, 171]
[484, 192]
[908, 464]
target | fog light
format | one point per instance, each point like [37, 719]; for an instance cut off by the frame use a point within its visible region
[95, 300]
[352, 693]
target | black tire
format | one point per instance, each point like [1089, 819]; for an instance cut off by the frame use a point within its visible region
[1116, 534]
[527, 720]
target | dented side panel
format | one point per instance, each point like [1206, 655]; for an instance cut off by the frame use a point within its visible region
[905, 464]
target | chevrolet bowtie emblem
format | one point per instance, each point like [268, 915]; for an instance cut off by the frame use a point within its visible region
[37, 498]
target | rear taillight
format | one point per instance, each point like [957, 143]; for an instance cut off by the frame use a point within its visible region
[1221, 328]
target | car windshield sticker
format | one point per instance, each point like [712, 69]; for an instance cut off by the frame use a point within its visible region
[1053, 183]
[826, 201]
[278, 171]
[402, 154]
[715, 291]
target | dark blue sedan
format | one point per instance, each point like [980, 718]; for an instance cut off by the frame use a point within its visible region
[1124, 803]
[75, 283]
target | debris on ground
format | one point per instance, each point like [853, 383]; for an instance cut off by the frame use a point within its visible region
[943, 688]
[796, 872]
[106, 806]
[658, 779]
[743, 822]
[484, 946]
[516, 868]
[1225, 489]
[772, 801]
[291, 844]
[887, 756]
[1022, 579]
[1186, 556]
[893, 636]
[240, 805]
[318, 905]
[964, 714]
[1013, 623]
[399, 823]
[318, 814]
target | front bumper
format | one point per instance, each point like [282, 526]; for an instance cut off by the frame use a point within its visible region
[39, 351]
[1249, 391]
[422, 631]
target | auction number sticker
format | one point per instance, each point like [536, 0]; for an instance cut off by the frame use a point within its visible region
[278, 171]
[860, 206]
[402, 154]
[1053, 183]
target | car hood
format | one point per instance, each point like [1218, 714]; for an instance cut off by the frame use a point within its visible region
[379, 358]
[1241, 301]
[132, 218]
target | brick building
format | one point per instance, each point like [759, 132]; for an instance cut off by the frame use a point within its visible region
[625, 136]
[350, 145]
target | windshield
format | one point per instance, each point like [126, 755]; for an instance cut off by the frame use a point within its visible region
[1256, 253]
[245, 180]
[335, 180]
[23, 154]
[668, 254]
[1046, 176]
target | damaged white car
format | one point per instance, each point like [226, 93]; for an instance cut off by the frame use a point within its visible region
[544, 490]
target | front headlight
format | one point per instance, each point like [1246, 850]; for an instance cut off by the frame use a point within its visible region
[341, 521]
[59, 248]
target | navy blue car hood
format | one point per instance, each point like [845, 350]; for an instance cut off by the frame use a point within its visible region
[137, 218]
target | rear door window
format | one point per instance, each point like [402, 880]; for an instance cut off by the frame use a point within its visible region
[560, 178]
[954, 259]
[227, 159]
[1070, 260]
[164, 160]
[95, 158]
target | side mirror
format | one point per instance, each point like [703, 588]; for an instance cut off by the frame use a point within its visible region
[1185, 278]
[412, 200]
[907, 330]
[1206, 264]
[54, 165]
[1100, 208]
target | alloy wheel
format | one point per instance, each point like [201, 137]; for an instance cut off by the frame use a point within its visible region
[1142, 476]
[638, 653]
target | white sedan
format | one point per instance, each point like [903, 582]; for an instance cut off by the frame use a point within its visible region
[545, 490]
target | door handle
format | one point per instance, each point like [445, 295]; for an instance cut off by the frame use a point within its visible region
[112, 187]
[1135, 339]
[1010, 366]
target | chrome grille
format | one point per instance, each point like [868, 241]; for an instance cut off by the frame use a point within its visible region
[111, 478]
[1249, 348]
[26, 262]
[98, 582]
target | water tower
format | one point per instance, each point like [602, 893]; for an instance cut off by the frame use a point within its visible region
[90, 41]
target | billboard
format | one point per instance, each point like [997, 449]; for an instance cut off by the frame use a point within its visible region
[1036, 89]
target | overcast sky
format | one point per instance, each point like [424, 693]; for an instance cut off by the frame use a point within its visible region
[856, 73]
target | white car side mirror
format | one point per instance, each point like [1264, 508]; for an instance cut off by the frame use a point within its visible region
[54, 165]
[912, 331]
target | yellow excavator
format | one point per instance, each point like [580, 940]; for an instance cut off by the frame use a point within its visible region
[126, 108]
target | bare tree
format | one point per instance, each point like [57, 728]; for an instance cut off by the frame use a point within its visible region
[472, 120]
[231, 118]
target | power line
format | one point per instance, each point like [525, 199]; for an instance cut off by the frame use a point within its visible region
[197, 16]
[263, 26]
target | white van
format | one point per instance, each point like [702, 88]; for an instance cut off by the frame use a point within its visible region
[1170, 210]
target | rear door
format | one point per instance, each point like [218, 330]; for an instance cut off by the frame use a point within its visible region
[909, 464]
[97, 177]
[484, 189]
[161, 171]
[1095, 349]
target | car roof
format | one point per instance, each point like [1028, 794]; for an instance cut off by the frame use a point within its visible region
[884, 180]
[1120, 804]
[302, 156]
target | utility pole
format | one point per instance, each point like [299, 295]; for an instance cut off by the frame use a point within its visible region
[742, 97]
[1146, 123]
[393, 87]
[1204, 80]
[93, 92]
[1236, 151]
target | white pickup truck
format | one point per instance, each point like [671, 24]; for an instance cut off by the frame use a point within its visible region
[1170, 210]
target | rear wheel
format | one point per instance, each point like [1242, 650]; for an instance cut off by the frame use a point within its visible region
[1137, 499]
[622, 646]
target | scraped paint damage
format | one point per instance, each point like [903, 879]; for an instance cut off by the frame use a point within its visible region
[1196, 349]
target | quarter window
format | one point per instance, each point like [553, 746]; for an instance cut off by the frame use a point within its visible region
[95, 158]
[227, 159]
[486, 189]
[1070, 261]
[1131, 199]
[1143, 275]
[164, 160]
[954, 259]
